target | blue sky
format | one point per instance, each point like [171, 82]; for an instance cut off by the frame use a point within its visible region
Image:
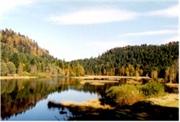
[73, 29]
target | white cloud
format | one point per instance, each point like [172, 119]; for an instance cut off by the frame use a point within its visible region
[93, 16]
[9, 5]
[172, 11]
[150, 33]
[97, 16]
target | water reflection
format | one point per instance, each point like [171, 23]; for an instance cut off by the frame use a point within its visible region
[20, 95]
[28, 99]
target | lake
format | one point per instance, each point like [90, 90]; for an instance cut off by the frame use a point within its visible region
[39, 99]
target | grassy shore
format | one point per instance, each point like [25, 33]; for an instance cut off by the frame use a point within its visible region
[16, 77]
[97, 82]
[100, 77]
[168, 100]
[94, 103]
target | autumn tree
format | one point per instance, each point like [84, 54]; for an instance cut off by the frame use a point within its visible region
[20, 69]
[33, 69]
[171, 73]
[131, 70]
[4, 69]
[80, 70]
[11, 67]
[122, 71]
[154, 74]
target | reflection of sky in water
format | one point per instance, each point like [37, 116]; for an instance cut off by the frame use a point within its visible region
[41, 111]
[71, 95]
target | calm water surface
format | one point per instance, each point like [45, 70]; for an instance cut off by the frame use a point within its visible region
[31, 99]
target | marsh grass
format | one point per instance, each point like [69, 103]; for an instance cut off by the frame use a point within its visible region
[153, 88]
[125, 94]
[128, 94]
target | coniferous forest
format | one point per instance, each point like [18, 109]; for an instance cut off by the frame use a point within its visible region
[21, 55]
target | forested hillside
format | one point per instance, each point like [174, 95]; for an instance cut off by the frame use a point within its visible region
[22, 55]
[154, 61]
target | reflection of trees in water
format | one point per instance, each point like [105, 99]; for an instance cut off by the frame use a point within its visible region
[18, 96]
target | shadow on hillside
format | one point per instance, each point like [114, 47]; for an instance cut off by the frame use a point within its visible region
[137, 111]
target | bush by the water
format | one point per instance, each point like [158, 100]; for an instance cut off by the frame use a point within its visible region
[125, 94]
[152, 88]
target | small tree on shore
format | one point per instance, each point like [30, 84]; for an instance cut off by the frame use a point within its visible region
[154, 74]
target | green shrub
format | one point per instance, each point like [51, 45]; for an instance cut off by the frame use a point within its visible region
[125, 94]
[152, 89]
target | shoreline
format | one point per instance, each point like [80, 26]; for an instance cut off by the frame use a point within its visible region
[16, 77]
[101, 77]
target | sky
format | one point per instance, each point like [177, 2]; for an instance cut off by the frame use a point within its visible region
[74, 29]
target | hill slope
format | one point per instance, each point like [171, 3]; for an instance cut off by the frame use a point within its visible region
[20, 54]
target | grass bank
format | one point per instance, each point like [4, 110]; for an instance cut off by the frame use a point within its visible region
[168, 100]
[16, 77]
[92, 103]
[128, 94]
[100, 77]
[97, 82]
[26, 75]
